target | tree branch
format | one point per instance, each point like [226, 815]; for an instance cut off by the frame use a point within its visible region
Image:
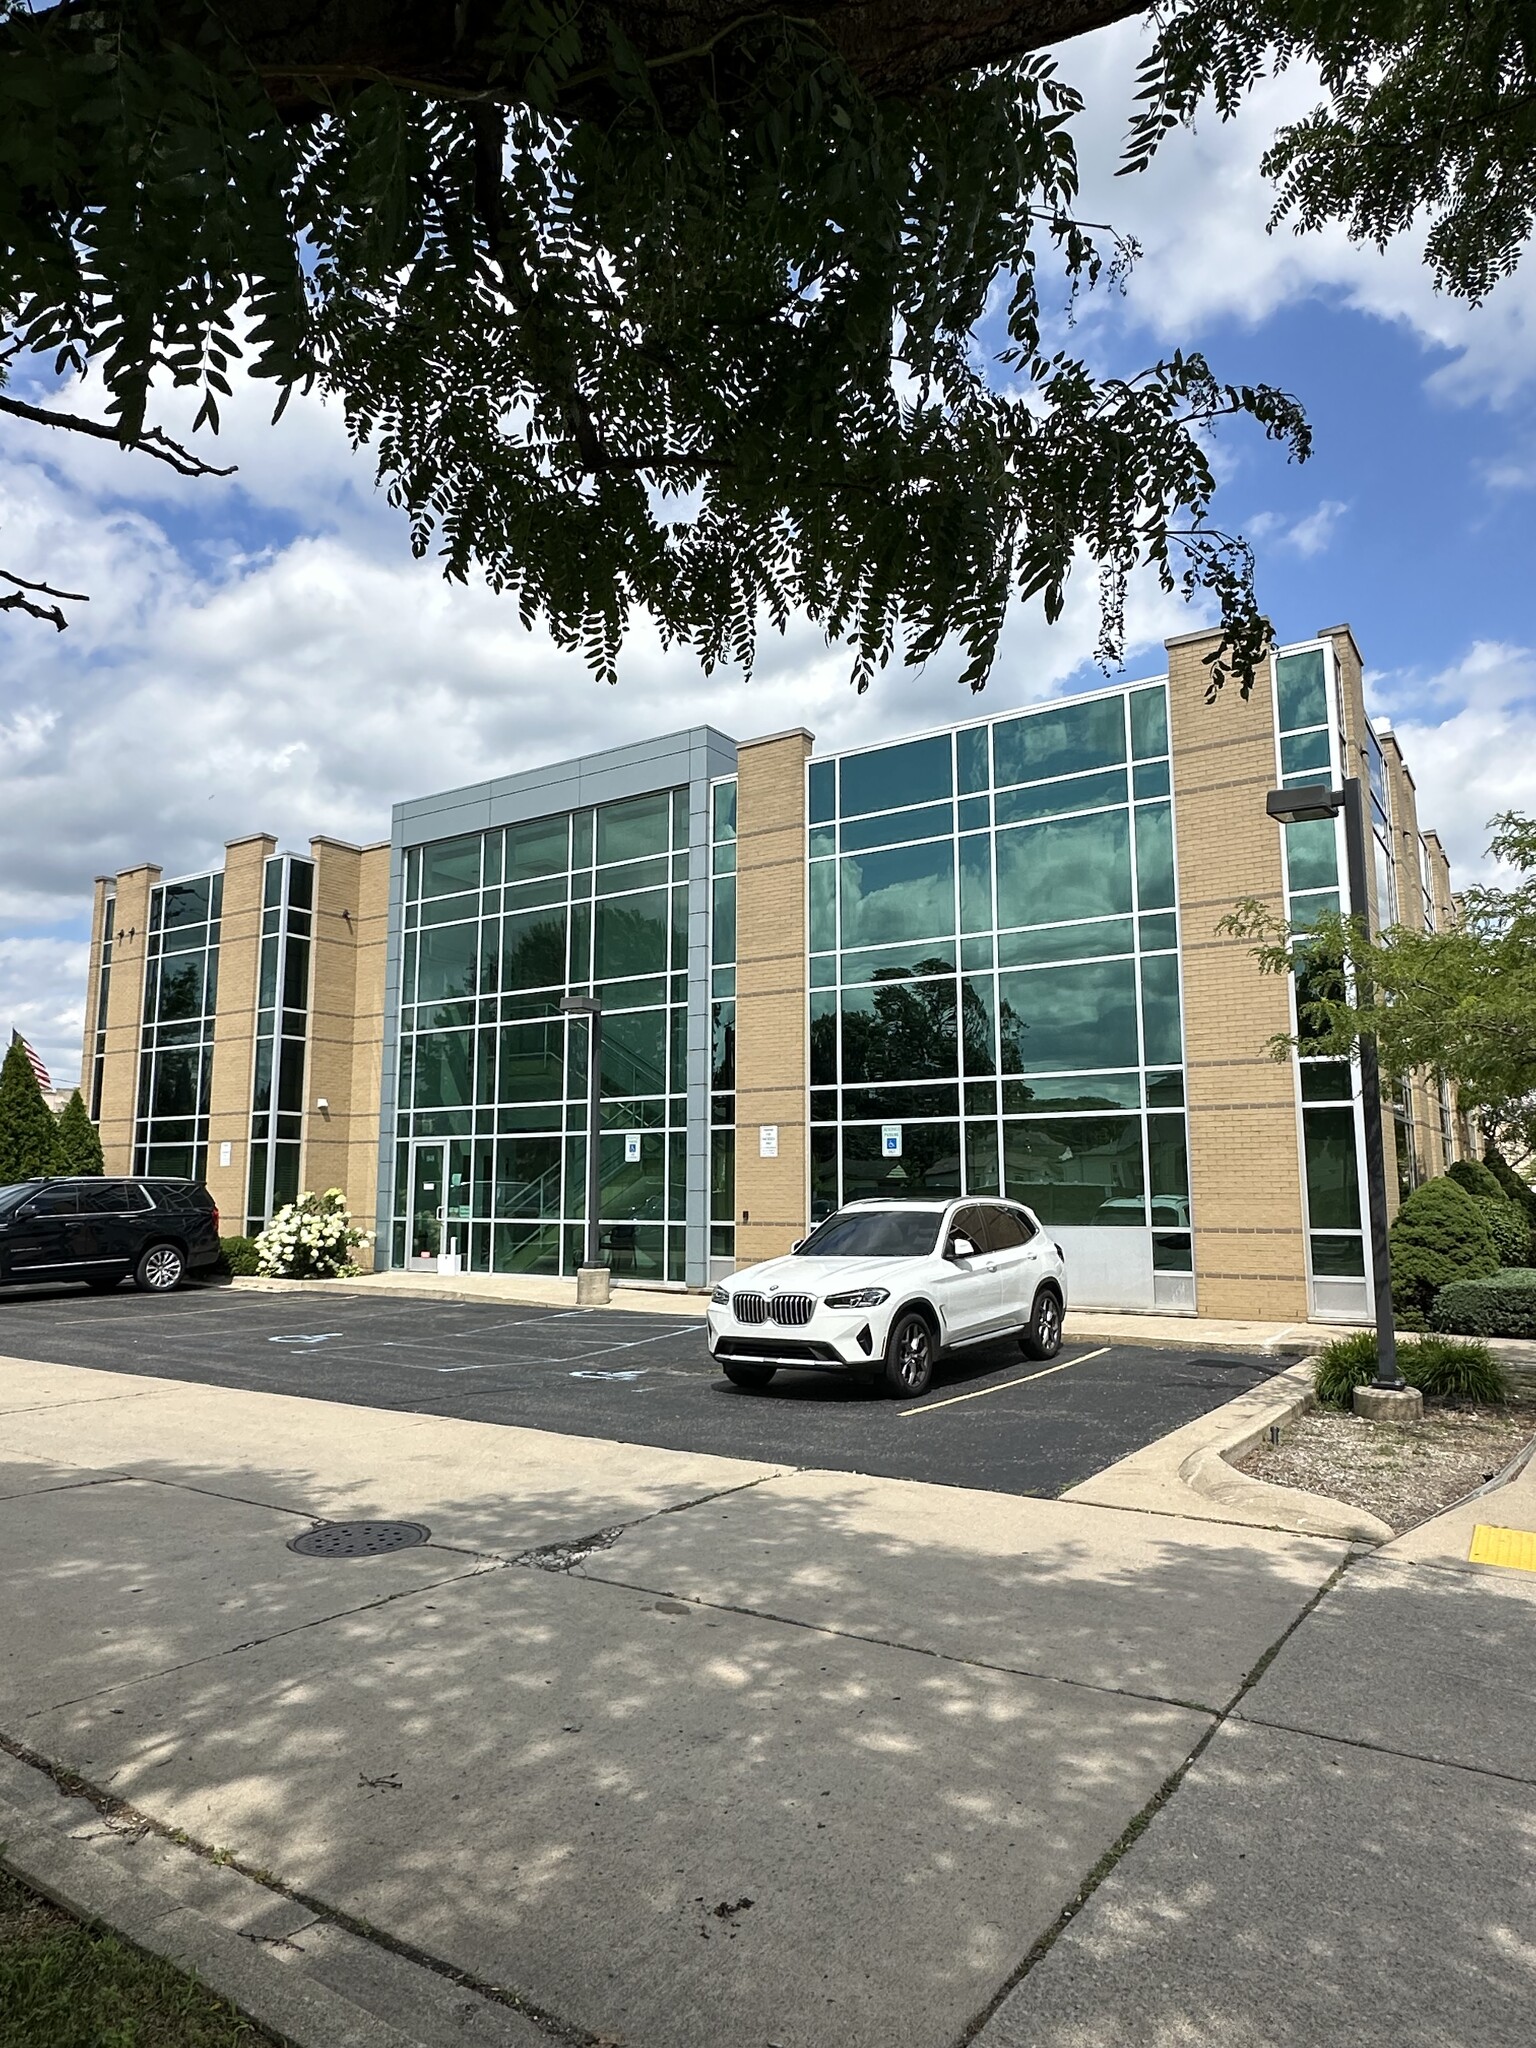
[154, 442]
[17, 600]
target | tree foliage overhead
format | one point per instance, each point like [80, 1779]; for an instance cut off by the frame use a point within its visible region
[1459, 1002]
[663, 306]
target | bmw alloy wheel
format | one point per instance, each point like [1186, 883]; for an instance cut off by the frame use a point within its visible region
[909, 1356]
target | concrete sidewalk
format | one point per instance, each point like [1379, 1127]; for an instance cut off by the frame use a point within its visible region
[666, 1750]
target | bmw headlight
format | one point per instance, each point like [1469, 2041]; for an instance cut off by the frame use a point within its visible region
[861, 1297]
[720, 1298]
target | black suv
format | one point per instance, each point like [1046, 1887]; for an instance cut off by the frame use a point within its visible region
[99, 1230]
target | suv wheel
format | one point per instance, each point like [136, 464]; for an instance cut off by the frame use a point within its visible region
[909, 1351]
[742, 1374]
[160, 1268]
[1043, 1337]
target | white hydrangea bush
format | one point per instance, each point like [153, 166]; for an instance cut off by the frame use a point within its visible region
[311, 1239]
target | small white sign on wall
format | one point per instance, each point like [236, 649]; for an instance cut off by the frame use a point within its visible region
[631, 1147]
[890, 1141]
[226, 1152]
[767, 1141]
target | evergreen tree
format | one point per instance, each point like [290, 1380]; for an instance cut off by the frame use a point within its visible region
[29, 1135]
[78, 1143]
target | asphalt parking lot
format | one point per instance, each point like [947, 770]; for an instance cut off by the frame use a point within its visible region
[993, 1420]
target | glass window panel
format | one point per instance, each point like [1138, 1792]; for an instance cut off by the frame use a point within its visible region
[983, 1175]
[1077, 1170]
[824, 1105]
[724, 860]
[899, 1031]
[532, 1061]
[446, 962]
[628, 831]
[679, 818]
[1047, 943]
[722, 1176]
[581, 839]
[723, 921]
[1168, 1168]
[1048, 799]
[823, 971]
[724, 799]
[972, 767]
[976, 953]
[975, 813]
[444, 1070]
[823, 796]
[901, 1105]
[1067, 1019]
[898, 826]
[1149, 778]
[1159, 934]
[916, 772]
[1326, 1081]
[976, 884]
[581, 945]
[631, 1190]
[1302, 688]
[1386, 886]
[723, 1046]
[1060, 740]
[929, 1162]
[450, 865]
[1149, 722]
[631, 936]
[823, 1039]
[1172, 1252]
[635, 874]
[525, 1248]
[907, 892]
[1338, 1258]
[981, 1098]
[823, 906]
[1061, 1093]
[1311, 854]
[1306, 910]
[186, 903]
[1303, 752]
[1154, 856]
[191, 939]
[1165, 1091]
[1069, 868]
[181, 986]
[978, 1007]
[540, 847]
[527, 1177]
[450, 909]
[301, 884]
[824, 1155]
[1162, 1028]
[823, 841]
[175, 1084]
[290, 1075]
[296, 974]
[677, 1036]
[900, 963]
[635, 1054]
[1333, 1192]
[272, 880]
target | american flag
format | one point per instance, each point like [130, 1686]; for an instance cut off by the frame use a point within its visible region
[36, 1064]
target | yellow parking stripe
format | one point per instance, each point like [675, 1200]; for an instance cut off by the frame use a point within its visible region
[976, 1393]
[1515, 1548]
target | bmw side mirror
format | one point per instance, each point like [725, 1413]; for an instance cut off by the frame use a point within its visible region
[962, 1248]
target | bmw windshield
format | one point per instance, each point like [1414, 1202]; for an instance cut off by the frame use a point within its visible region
[875, 1234]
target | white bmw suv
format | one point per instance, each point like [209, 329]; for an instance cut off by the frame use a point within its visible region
[882, 1287]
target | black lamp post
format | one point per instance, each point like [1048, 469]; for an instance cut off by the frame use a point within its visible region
[1291, 807]
[591, 1007]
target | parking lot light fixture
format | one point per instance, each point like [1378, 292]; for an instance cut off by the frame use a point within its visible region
[1295, 807]
[590, 1006]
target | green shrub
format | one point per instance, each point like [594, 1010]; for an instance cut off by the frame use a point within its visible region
[1501, 1306]
[1477, 1179]
[1439, 1234]
[1518, 1189]
[1442, 1368]
[237, 1256]
[1508, 1225]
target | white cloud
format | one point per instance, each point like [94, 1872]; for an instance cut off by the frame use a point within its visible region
[42, 995]
[1306, 536]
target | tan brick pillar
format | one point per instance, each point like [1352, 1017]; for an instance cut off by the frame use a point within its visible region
[346, 996]
[234, 1026]
[125, 1017]
[1244, 1164]
[772, 1195]
[102, 896]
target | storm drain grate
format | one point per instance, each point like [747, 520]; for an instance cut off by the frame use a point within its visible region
[359, 1539]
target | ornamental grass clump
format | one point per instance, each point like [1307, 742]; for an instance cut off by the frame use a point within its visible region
[311, 1239]
[1442, 1368]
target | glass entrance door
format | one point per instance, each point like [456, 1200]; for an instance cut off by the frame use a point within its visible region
[428, 1200]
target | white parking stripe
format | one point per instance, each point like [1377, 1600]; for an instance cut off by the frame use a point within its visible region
[1002, 1387]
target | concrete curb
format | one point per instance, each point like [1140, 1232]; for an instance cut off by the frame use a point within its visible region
[263, 1953]
[1189, 1472]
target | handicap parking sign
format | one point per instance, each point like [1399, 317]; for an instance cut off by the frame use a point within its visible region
[631, 1147]
[890, 1141]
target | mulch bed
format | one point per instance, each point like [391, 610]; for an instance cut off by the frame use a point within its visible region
[1403, 1472]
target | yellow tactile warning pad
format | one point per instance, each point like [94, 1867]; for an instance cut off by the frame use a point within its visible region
[1513, 1547]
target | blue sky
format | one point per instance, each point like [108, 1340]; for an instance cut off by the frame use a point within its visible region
[263, 654]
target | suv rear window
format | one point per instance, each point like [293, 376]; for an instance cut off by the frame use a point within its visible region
[875, 1234]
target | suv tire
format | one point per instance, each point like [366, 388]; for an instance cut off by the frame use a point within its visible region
[161, 1269]
[910, 1349]
[1043, 1337]
[742, 1373]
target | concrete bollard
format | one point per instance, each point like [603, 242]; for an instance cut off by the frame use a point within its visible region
[592, 1286]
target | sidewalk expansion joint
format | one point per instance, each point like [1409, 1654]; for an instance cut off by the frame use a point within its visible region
[1410, 1756]
[567, 1552]
[1140, 1822]
[277, 1636]
[848, 1635]
[70, 1784]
